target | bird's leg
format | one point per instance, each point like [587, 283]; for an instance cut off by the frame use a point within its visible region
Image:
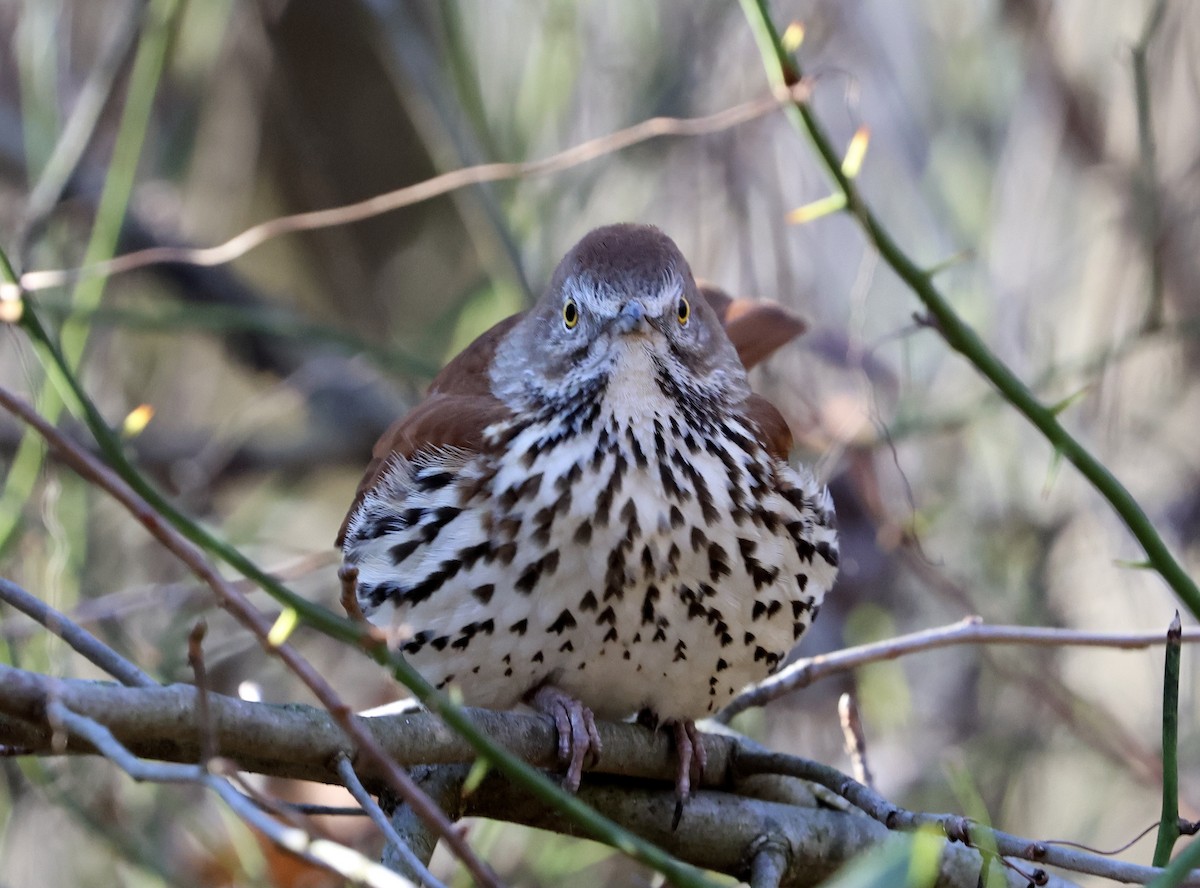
[689, 749]
[578, 740]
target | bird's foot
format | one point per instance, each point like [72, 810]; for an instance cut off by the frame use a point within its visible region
[689, 749]
[578, 741]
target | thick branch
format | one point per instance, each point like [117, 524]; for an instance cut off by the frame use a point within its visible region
[720, 829]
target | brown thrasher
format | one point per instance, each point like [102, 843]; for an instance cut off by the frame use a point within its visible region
[590, 512]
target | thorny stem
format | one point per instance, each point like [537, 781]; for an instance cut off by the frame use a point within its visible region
[782, 69]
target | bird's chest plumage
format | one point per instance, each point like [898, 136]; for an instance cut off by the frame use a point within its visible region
[636, 554]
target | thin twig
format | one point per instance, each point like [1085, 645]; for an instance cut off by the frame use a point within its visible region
[350, 780]
[80, 640]
[782, 70]
[328, 855]
[855, 739]
[91, 469]
[208, 746]
[257, 235]
[971, 630]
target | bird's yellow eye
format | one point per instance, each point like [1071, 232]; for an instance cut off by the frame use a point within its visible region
[684, 311]
[570, 314]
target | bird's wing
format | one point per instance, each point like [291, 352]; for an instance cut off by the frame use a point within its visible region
[756, 327]
[772, 428]
[454, 414]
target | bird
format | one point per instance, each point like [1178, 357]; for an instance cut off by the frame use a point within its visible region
[591, 513]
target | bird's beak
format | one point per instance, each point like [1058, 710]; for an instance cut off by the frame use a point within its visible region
[632, 318]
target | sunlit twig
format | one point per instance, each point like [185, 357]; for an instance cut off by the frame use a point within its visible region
[257, 235]
[971, 630]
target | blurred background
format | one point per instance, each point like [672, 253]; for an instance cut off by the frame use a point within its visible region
[1046, 155]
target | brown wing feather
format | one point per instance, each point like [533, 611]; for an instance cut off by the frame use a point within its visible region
[458, 407]
[773, 431]
[757, 328]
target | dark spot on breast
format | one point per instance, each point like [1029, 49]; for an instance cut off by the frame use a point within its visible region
[588, 602]
[608, 615]
[718, 562]
[519, 627]
[504, 553]
[564, 621]
[434, 480]
[828, 553]
[652, 595]
[484, 593]
[583, 533]
[721, 664]
[418, 641]
[401, 551]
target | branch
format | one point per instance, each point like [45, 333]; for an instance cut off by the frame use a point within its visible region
[955, 827]
[396, 845]
[326, 854]
[971, 630]
[722, 830]
[82, 641]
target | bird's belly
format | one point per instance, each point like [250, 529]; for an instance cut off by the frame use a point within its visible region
[631, 574]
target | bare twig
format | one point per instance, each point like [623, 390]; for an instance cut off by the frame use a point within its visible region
[76, 636]
[417, 869]
[259, 234]
[855, 739]
[208, 747]
[971, 630]
[348, 577]
[91, 469]
[328, 855]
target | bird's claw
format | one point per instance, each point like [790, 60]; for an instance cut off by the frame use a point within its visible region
[692, 759]
[578, 740]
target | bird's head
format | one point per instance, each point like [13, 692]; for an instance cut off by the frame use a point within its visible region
[624, 291]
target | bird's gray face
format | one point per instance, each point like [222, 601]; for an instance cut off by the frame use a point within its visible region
[622, 300]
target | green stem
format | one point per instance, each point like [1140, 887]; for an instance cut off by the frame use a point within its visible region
[781, 69]
[1180, 869]
[593, 823]
[1168, 826]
